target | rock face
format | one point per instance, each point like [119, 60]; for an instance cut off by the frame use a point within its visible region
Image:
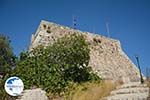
[107, 58]
[34, 94]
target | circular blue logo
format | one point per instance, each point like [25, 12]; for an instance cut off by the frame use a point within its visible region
[14, 86]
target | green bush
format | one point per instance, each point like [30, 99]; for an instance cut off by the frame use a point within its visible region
[7, 62]
[7, 58]
[57, 66]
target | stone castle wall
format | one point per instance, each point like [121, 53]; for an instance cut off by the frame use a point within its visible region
[107, 58]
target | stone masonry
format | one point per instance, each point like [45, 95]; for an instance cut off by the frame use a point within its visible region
[129, 91]
[107, 58]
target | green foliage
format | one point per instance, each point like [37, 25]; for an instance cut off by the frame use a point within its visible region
[7, 61]
[57, 66]
[23, 56]
[7, 58]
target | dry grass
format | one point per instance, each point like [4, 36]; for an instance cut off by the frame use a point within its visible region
[92, 91]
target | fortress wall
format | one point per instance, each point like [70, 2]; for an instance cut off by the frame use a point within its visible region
[107, 58]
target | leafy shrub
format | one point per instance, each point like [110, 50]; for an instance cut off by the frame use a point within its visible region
[55, 67]
[7, 58]
[7, 62]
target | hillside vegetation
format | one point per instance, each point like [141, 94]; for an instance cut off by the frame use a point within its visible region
[55, 68]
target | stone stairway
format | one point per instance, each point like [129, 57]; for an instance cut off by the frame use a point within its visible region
[130, 91]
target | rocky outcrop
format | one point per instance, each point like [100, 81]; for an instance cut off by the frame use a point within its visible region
[107, 58]
[33, 94]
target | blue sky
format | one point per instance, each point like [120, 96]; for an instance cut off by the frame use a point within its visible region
[129, 21]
